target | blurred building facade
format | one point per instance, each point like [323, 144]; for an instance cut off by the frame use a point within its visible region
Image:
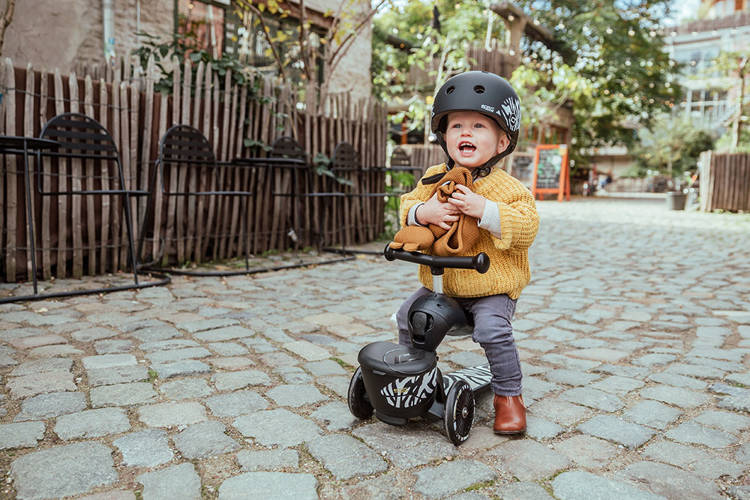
[64, 35]
[710, 96]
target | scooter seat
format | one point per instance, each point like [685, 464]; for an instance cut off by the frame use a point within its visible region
[396, 359]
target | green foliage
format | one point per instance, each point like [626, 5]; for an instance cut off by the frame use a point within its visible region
[609, 63]
[671, 146]
[399, 181]
[184, 46]
[429, 56]
[322, 167]
[615, 72]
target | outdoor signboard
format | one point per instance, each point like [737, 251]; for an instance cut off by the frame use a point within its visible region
[521, 168]
[551, 172]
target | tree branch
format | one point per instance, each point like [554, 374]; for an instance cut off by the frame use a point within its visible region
[5, 21]
[267, 34]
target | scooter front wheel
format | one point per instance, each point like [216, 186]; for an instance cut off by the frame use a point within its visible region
[359, 403]
[459, 412]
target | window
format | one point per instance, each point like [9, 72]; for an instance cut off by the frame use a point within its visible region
[203, 20]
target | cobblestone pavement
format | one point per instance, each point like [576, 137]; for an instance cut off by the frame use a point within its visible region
[634, 336]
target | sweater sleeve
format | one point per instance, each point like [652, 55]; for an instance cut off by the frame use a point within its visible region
[518, 218]
[419, 194]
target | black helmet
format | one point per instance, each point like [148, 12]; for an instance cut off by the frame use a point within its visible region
[485, 93]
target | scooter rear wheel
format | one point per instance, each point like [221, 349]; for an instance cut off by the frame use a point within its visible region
[459, 412]
[359, 403]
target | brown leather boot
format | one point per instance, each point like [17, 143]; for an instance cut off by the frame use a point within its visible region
[510, 415]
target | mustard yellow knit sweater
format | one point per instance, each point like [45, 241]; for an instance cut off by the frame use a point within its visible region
[509, 256]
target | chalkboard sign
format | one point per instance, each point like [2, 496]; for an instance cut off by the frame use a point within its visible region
[551, 175]
[522, 168]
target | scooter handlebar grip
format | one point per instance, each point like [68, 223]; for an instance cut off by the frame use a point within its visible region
[479, 262]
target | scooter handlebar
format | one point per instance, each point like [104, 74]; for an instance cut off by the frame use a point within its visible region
[479, 262]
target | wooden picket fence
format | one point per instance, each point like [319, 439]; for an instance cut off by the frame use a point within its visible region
[123, 100]
[725, 182]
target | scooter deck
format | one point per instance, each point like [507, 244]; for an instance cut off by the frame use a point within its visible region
[478, 377]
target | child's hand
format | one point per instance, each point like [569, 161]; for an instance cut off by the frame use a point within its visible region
[436, 212]
[467, 201]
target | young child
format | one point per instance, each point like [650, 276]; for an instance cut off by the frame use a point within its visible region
[476, 117]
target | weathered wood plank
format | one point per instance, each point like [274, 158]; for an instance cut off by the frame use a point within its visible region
[89, 169]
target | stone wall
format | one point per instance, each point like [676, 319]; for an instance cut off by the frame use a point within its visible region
[54, 34]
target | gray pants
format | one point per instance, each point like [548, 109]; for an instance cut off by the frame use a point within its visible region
[492, 330]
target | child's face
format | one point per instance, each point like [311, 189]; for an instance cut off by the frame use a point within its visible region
[473, 138]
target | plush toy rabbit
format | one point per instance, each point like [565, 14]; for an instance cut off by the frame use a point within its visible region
[462, 235]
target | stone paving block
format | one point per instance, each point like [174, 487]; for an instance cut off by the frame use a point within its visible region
[181, 368]
[204, 439]
[113, 346]
[692, 432]
[598, 354]
[587, 451]
[222, 334]
[679, 381]
[345, 457]
[638, 372]
[523, 491]
[335, 416]
[231, 363]
[172, 414]
[307, 350]
[40, 383]
[229, 381]
[108, 361]
[205, 324]
[701, 372]
[92, 423]
[571, 377]
[161, 357]
[42, 365]
[295, 395]
[727, 366]
[277, 427]
[21, 435]
[92, 334]
[186, 388]
[178, 482]
[167, 345]
[147, 448]
[535, 388]
[539, 428]
[669, 481]
[111, 495]
[405, 447]
[652, 360]
[51, 405]
[692, 459]
[269, 486]
[568, 362]
[227, 348]
[593, 398]
[60, 471]
[465, 359]
[617, 385]
[580, 485]
[156, 333]
[527, 460]
[325, 367]
[684, 398]
[616, 430]
[295, 375]
[387, 486]
[726, 421]
[117, 375]
[652, 414]
[122, 394]
[451, 477]
[37, 341]
[562, 412]
[338, 384]
[268, 460]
